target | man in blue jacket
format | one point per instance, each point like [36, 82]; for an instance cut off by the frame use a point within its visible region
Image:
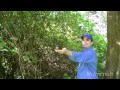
[87, 58]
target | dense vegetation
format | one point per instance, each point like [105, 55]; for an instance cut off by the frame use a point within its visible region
[28, 40]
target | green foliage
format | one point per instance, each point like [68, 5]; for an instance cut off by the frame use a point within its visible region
[2, 44]
[67, 76]
[28, 39]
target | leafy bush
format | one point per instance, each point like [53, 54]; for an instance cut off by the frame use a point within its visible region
[28, 39]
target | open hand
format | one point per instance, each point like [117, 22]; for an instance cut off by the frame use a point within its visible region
[60, 51]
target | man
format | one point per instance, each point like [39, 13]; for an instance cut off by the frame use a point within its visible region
[87, 58]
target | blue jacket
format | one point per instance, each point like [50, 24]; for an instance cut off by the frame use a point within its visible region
[87, 59]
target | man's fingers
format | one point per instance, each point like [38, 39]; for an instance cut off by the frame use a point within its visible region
[56, 50]
[59, 51]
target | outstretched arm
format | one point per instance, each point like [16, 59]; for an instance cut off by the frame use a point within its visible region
[78, 56]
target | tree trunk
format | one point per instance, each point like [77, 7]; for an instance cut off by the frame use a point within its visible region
[112, 70]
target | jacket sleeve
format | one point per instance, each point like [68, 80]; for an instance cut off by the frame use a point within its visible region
[85, 57]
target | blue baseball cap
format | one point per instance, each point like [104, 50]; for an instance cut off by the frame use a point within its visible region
[88, 36]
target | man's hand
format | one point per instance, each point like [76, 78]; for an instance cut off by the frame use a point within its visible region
[60, 51]
[63, 51]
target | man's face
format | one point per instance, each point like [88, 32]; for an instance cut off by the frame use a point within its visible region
[86, 42]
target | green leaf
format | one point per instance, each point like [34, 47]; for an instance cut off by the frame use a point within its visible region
[14, 38]
[26, 58]
[15, 51]
[4, 50]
